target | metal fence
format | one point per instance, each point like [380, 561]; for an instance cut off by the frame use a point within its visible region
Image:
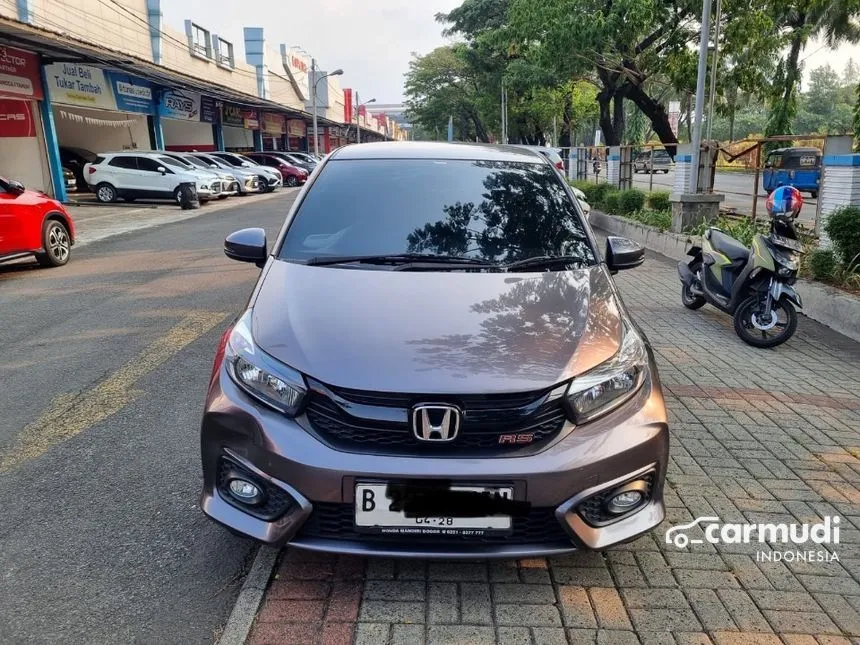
[737, 172]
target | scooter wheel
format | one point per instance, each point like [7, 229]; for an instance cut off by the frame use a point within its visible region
[782, 330]
[689, 300]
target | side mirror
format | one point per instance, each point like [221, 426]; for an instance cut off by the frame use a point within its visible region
[247, 245]
[162, 170]
[623, 253]
[15, 187]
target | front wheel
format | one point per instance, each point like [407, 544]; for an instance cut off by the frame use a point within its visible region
[57, 244]
[291, 181]
[755, 329]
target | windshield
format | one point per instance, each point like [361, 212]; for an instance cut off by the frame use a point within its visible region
[176, 163]
[488, 210]
[194, 161]
[215, 161]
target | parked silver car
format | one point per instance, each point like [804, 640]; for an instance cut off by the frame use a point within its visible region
[435, 362]
[249, 180]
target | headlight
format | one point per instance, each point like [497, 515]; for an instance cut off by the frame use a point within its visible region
[608, 385]
[787, 260]
[261, 376]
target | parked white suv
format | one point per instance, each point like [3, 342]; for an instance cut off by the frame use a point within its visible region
[141, 175]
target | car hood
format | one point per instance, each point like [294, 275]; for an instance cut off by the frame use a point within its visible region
[436, 332]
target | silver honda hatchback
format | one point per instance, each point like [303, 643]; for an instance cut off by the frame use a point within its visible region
[435, 362]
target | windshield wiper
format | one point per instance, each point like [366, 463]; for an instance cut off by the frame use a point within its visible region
[543, 261]
[396, 258]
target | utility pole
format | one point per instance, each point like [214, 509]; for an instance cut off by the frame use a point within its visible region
[357, 115]
[315, 81]
[314, 102]
[700, 95]
[713, 88]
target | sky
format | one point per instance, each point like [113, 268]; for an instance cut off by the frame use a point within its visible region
[371, 40]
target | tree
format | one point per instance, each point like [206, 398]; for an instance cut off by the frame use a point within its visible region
[797, 21]
[442, 85]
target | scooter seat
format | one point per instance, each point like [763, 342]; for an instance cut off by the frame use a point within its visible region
[728, 246]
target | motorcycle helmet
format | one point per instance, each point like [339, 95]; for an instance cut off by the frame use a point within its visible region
[785, 200]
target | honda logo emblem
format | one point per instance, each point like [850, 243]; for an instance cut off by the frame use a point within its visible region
[435, 422]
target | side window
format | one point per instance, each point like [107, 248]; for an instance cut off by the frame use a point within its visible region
[124, 162]
[149, 165]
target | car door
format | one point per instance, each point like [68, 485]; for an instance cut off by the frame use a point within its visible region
[121, 173]
[11, 220]
[157, 183]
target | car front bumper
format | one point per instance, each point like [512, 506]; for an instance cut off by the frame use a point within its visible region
[622, 446]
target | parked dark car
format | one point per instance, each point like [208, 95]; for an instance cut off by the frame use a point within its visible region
[292, 175]
[435, 361]
[75, 159]
[305, 163]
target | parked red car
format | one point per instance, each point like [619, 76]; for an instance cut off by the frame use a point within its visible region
[31, 223]
[293, 175]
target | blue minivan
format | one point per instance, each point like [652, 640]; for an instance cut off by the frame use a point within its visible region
[798, 167]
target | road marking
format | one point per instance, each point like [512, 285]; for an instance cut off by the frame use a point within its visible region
[71, 414]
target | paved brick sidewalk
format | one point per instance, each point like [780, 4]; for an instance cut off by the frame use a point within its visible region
[758, 435]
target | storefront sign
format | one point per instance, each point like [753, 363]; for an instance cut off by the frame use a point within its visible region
[132, 94]
[297, 128]
[240, 117]
[298, 64]
[16, 120]
[75, 84]
[179, 104]
[273, 123]
[19, 73]
[208, 109]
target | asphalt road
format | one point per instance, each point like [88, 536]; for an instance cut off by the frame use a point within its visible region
[738, 187]
[104, 372]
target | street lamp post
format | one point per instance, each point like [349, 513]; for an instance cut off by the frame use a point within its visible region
[358, 116]
[316, 80]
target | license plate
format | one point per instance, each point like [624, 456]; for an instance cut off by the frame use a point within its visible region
[779, 240]
[376, 512]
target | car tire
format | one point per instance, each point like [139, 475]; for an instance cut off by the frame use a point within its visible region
[291, 181]
[106, 193]
[746, 334]
[813, 194]
[57, 244]
[666, 172]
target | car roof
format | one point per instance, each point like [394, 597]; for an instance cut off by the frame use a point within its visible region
[798, 149]
[437, 150]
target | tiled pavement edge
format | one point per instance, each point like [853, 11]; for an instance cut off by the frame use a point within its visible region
[757, 435]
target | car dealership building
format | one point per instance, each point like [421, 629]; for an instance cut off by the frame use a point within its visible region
[80, 78]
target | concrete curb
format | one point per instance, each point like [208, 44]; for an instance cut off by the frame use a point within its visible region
[837, 309]
[250, 596]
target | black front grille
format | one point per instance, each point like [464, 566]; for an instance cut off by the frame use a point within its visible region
[381, 422]
[335, 522]
[275, 503]
[593, 510]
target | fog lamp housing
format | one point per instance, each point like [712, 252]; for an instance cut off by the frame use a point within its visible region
[627, 498]
[245, 491]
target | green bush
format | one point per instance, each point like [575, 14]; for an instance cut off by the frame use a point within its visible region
[659, 200]
[597, 195]
[743, 230]
[630, 201]
[661, 220]
[611, 202]
[843, 228]
[822, 264]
